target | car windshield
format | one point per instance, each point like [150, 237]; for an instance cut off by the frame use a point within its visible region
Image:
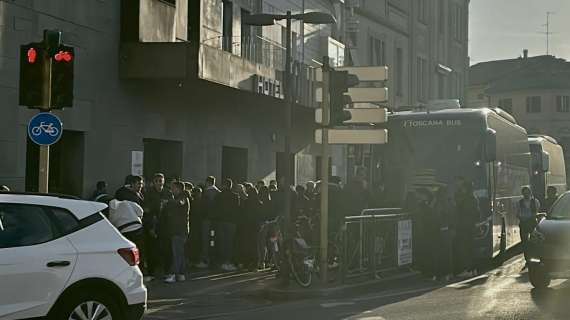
[561, 209]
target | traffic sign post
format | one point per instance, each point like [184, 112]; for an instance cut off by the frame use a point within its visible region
[351, 136]
[36, 66]
[325, 173]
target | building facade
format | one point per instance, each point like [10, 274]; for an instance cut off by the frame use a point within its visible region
[535, 90]
[424, 44]
[187, 88]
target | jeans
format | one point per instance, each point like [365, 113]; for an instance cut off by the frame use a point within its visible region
[178, 243]
[226, 236]
[526, 227]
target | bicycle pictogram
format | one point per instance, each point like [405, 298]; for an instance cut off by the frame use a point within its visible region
[47, 128]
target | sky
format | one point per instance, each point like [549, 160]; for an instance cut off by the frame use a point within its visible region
[501, 29]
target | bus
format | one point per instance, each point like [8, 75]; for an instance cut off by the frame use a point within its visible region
[434, 149]
[547, 164]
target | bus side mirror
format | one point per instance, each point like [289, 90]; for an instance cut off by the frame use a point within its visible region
[490, 145]
[545, 161]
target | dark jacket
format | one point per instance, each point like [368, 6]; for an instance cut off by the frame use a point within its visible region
[178, 214]
[209, 197]
[126, 194]
[227, 207]
[154, 203]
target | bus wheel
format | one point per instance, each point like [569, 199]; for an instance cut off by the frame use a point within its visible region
[539, 278]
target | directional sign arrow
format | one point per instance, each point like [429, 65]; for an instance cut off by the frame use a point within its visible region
[359, 95]
[367, 73]
[352, 136]
[360, 115]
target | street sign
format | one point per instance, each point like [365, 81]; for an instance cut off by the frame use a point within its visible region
[360, 115]
[45, 129]
[368, 94]
[367, 73]
[360, 95]
[353, 136]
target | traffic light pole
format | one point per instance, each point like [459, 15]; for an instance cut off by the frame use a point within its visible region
[325, 172]
[43, 183]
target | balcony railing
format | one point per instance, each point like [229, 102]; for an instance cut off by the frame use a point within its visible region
[255, 49]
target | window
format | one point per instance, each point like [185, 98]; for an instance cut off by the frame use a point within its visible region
[422, 83]
[533, 104]
[377, 53]
[227, 25]
[246, 39]
[422, 11]
[399, 72]
[456, 23]
[24, 225]
[563, 103]
[506, 104]
[440, 86]
[66, 222]
[441, 17]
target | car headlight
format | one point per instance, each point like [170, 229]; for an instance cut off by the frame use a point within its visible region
[537, 236]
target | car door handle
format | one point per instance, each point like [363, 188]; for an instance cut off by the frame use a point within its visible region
[53, 264]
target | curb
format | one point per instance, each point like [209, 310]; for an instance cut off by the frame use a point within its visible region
[293, 292]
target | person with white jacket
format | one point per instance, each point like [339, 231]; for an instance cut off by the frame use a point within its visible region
[127, 216]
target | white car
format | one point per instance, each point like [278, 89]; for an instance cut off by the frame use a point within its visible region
[61, 259]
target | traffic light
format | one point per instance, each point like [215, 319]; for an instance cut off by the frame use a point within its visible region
[32, 60]
[62, 77]
[340, 81]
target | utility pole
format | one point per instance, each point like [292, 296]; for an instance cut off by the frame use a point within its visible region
[325, 171]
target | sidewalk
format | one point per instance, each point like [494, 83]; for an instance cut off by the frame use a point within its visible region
[274, 289]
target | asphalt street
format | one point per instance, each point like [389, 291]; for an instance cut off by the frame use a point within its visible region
[501, 293]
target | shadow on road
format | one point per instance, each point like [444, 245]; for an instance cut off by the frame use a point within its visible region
[553, 301]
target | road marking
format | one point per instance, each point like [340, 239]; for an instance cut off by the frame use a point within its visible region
[398, 293]
[463, 283]
[336, 304]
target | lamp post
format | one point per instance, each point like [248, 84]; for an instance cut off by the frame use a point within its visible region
[264, 19]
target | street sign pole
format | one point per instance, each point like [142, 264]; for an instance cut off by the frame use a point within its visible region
[325, 172]
[43, 183]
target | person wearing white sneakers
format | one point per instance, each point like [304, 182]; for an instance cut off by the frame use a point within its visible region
[226, 214]
[178, 216]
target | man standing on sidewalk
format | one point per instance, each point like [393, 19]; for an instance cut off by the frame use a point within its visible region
[178, 215]
[209, 196]
[527, 209]
[156, 199]
[226, 215]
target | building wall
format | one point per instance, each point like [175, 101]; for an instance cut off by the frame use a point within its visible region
[116, 116]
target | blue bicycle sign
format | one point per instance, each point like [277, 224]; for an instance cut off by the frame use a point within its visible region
[45, 129]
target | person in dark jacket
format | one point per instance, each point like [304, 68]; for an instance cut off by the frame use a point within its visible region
[132, 190]
[100, 190]
[157, 237]
[178, 212]
[467, 215]
[248, 242]
[209, 195]
[527, 210]
[301, 203]
[196, 219]
[226, 215]
[551, 197]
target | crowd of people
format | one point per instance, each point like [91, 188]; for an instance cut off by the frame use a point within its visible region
[177, 225]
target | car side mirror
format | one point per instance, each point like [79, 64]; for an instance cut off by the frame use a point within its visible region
[540, 216]
[545, 161]
[490, 145]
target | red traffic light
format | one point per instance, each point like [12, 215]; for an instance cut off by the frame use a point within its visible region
[63, 56]
[32, 55]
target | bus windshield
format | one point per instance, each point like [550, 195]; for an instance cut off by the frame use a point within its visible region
[430, 157]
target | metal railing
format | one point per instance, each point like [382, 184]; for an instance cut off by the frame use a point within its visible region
[254, 48]
[379, 240]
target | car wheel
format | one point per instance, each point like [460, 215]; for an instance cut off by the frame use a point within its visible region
[88, 305]
[539, 278]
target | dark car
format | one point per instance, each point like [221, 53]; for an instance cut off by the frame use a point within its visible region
[549, 245]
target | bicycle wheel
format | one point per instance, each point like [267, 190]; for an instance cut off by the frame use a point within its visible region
[302, 269]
